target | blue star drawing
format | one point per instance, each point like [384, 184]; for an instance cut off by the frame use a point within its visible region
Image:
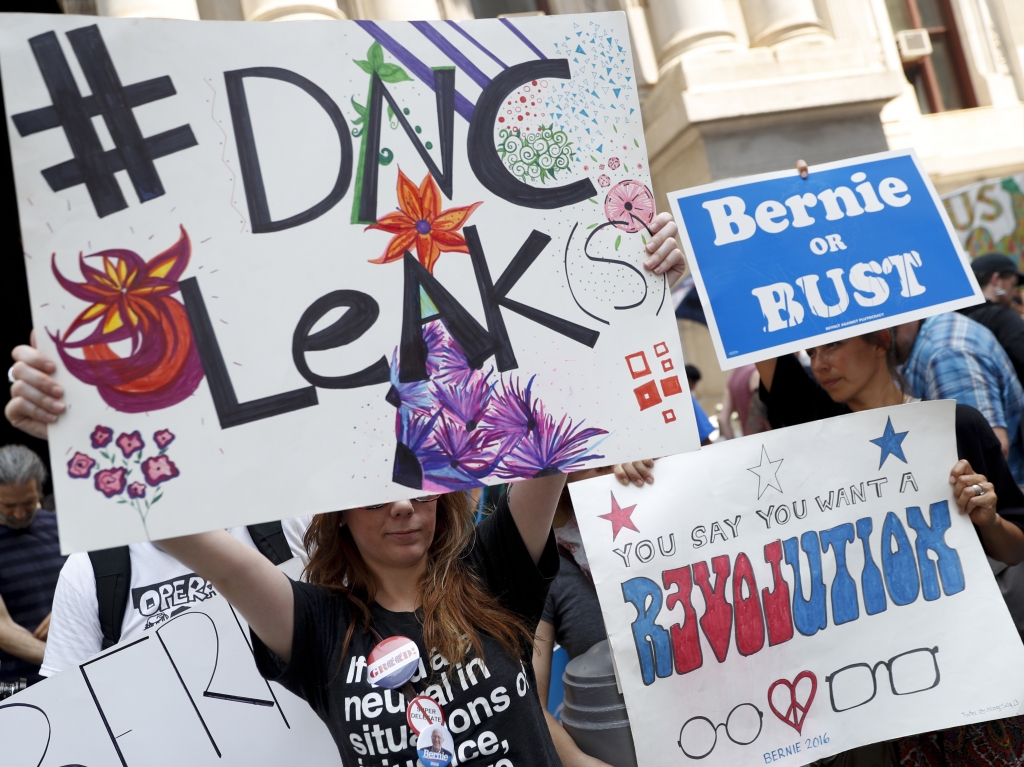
[891, 443]
[767, 473]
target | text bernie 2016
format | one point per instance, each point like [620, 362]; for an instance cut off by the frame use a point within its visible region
[778, 301]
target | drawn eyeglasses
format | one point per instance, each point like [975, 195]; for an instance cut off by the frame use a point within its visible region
[699, 735]
[909, 672]
[421, 499]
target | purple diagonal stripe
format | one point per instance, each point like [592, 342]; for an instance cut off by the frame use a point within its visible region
[458, 28]
[452, 52]
[522, 37]
[417, 67]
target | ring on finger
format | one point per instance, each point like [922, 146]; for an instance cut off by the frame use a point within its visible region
[10, 374]
[978, 491]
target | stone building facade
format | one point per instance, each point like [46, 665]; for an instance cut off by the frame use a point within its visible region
[732, 87]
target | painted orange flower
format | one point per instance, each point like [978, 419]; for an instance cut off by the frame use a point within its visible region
[421, 222]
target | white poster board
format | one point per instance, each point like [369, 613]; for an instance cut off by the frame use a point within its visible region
[312, 266]
[737, 590]
[184, 693]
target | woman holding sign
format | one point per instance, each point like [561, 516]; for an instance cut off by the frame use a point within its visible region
[412, 639]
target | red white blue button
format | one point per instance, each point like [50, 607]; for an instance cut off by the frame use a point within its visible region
[392, 663]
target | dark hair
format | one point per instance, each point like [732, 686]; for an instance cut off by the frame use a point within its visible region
[692, 373]
[455, 606]
[887, 340]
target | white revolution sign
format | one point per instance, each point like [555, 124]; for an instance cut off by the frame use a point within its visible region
[794, 594]
[298, 267]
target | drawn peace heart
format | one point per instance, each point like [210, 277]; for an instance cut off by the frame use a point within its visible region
[796, 711]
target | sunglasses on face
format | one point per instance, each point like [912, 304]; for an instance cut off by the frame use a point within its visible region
[421, 499]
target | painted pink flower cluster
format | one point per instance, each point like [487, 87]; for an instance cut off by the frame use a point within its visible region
[113, 480]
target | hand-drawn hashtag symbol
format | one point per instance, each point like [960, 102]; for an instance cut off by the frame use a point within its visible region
[73, 112]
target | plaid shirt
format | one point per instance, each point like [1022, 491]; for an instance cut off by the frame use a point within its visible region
[956, 358]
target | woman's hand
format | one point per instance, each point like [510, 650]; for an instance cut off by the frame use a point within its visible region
[980, 506]
[36, 399]
[637, 472]
[1001, 540]
[665, 258]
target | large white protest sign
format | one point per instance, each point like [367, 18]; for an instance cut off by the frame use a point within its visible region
[801, 592]
[783, 262]
[186, 692]
[298, 267]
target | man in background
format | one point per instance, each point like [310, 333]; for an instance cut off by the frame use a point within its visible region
[30, 562]
[998, 277]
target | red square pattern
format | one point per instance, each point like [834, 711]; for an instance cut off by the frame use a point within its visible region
[669, 415]
[637, 364]
[667, 366]
[647, 395]
[671, 386]
[661, 349]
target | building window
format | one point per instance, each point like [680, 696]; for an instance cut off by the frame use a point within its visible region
[941, 79]
[490, 9]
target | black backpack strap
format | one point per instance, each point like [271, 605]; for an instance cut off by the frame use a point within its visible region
[113, 571]
[269, 539]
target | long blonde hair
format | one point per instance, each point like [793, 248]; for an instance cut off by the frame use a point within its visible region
[455, 605]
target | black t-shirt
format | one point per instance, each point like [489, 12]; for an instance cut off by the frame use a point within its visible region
[1006, 325]
[490, 704]
[573, 609]
[797, 398]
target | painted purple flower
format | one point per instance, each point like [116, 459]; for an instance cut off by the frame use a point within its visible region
[159, 469]
[130, 443]
[513, 411]
[550, 448]
[163, 438]
[603, 180]
[414, 395]
[80, 466]
[445, 358]
[466, 400]
[629, 205]
[137, 490]
[101, 436]
[462, 457]
[110, 482]
[414, 432]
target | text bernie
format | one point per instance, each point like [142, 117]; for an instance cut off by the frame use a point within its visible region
[778, 301]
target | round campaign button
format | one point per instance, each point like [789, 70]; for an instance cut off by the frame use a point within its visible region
[392, 663]
[422, 712]
[435, 746]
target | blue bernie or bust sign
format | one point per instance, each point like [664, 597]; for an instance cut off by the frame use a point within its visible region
[784, 263]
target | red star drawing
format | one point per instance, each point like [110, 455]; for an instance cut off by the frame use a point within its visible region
[619, 517]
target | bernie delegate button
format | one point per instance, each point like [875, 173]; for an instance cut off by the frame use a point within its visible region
[422, 712]
[392, 663]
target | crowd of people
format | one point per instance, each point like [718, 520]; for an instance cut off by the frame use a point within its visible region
[511, 585]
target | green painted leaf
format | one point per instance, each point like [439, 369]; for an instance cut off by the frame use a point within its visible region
[593, 201]
[392, 73]
[366, 66]
[636, 143]
[391, 113]
[360, 109]
[618, 241]
[625, 167]
[122, 501]
[375, 56]
[614, 128]
[594, 158]
[643, 239]
[591, 226]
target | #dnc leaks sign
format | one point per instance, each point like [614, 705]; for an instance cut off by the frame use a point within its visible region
[291, 268]
[783, 263]
[784, 597]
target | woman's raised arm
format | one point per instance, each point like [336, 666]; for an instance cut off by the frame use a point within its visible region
[247, 579]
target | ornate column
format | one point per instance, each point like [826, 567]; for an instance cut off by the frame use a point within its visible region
[399, 10]
[774, 21]
[154, 9]
[288, 10]
[678, 26]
